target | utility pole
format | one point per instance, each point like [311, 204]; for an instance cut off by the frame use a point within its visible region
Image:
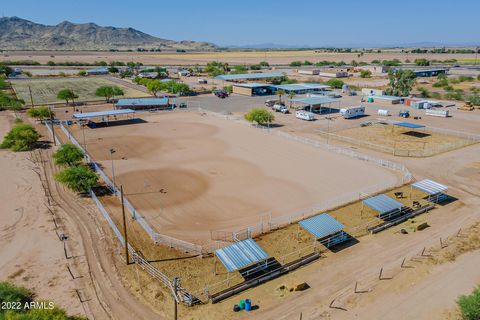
[175, 305]
[125, 237]
[31, 96]
[112, 151]
[51, 124]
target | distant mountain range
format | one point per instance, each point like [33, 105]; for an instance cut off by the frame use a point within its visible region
[262, 46]
[21, 34]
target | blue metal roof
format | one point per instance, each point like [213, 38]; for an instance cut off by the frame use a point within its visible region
[301, 86]
[253, 85]
[385, 97]
[409, 125]
[430, 187]
[240, 254]
[314, 100]
[104, 113]
[142, 102]
[383, 204]
[98, 70]
[322, 225]
[246, 76]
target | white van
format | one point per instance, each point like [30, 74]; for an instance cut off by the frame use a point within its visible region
[305, 115]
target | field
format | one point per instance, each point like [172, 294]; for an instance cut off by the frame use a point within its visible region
[190, 174]
[45, 91]
[401, 141]
[233, 57]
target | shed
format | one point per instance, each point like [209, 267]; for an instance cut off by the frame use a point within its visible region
[241, 254]
[435, 190]
[143, 103]
[253, 89]
[325, 228]
[384, 205]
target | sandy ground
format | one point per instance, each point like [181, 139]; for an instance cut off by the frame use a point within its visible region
[233, 57]
[190, 174]
[30, 253]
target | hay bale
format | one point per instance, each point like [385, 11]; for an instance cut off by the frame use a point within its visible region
[302, 286]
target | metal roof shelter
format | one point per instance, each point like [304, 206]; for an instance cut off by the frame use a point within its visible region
[315, 104]
[301, 87]
[326, 228]
[409, 125]
[241, 254]
[249, 76]
[434, 189]
[253, 85]
[384, 205]
[142, 103]
[106, 113]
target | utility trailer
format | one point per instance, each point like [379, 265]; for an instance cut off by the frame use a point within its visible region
[352, 112]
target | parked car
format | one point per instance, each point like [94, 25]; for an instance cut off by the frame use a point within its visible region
[182, 105]
[270, 103]
[305, 115]
[280, 108]
[202, 80]
[222, 94]
[404, 114]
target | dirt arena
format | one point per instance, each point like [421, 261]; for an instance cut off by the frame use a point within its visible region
[189, 173]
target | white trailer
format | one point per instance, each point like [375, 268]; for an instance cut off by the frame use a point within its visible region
[305, 115]
[383, 112]
[352, 112]
[436, 113]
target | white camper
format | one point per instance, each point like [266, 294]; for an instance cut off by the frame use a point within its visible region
[305, 115]
[352, 112]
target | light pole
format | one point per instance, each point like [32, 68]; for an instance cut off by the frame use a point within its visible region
[112, 151]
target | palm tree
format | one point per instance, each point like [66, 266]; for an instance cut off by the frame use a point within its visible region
[290, 96]
[280, 93]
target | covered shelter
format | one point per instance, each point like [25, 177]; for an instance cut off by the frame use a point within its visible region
[105, 116]
[242, 254]
[430, 72]
[385, 98]
[253, 89]
[302, 88]
[384, 205]
[435, 190]
[413, 127]
[249, 76]
[143, 103]
[315, 104]
[326, 229]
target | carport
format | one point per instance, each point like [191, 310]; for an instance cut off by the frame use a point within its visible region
[435, 190]
[326, 229]
[384, 205]
[315, 104]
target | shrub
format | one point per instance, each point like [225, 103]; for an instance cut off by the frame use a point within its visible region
[9, 292]
[41, 113]
[435, 95]
[229, 89]
[22, 137]
[82, 73]
[68, 154]
[79, 178]
[295, 64]
[260, 116]
[365, 74]
[335, 83]
[264, 64]
[470, 305]
[454, 96]
[440, 83]
[422, 62]
[474, 99]
[465, 78]
[424, 93]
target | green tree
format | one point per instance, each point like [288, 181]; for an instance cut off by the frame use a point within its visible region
[335, 83]
[154, 86]
[259, 115]
[68, 154]
[424, 93]
[470, 305]
[280, 94]
[5, 70]
[113, 69]
[291, 95]
[22, 137]
[296, 64]
[80, 178]
[264, 64]
[11, 293]
[82, 73]
[67, 95]
[365, 74]
[422, 62]
[400, 82]
[8, 102]
[109, 92]
[41, 113]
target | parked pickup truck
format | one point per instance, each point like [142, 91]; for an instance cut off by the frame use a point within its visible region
[305, 115]
[280, 108]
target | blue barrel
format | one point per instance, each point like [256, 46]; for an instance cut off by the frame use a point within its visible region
[248, 305]
[242, 304]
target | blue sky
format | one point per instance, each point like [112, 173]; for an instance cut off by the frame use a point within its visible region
[299, 22]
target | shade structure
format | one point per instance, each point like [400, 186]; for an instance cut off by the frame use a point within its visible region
[409, 125]
[322, 225]
[142, 102]
[429, 186]
[301, 87]
[383, 204]
[241, 254]
[249, 76]
[314, 100]
[105, 113]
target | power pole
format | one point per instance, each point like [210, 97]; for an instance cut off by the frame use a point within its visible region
[31, 96]
[125, 238]
[51, 124]
[175, 307]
